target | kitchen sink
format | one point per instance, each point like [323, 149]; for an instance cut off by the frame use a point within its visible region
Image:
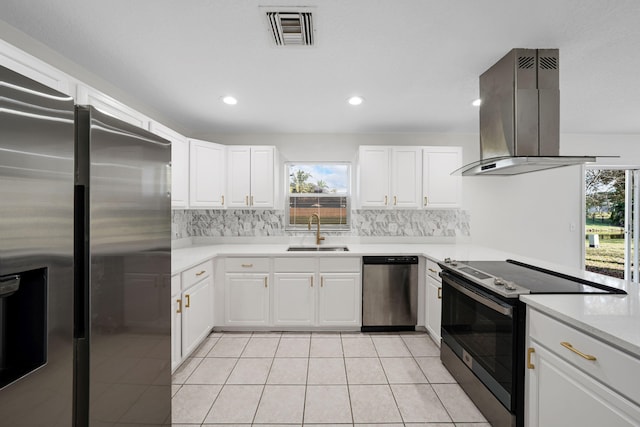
[317, 249]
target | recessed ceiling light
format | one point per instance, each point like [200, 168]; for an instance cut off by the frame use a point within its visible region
[477, 102]
[355, 100]
[229, 100]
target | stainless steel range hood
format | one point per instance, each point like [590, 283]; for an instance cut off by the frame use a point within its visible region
[520, 116]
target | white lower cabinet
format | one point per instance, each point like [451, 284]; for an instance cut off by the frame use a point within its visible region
[246, 299]
[197, 315]
[191, 310]
[339, 299]
[565, 388]
[307, 292]
[294, 299]
[434, 301]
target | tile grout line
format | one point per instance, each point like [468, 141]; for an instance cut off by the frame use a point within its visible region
[346, 376]
[390, 388]
[306, 382]
[227, 379]
[264, 386]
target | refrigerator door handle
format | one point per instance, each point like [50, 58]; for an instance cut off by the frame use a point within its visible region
[9, 285]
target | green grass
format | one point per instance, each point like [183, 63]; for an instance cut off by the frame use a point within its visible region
[603, 228]
[608, 259]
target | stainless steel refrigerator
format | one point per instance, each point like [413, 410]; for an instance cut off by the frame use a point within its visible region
[84, 264]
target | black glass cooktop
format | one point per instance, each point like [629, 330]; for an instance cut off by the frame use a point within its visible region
[536, 279]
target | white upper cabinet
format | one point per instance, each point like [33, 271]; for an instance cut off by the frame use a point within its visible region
[29, 66]
[406, 172]
[89, 96]
[390, 176]
[206, 174]
[440, 188]
[179, 164]
[251, 176]
[374, 168]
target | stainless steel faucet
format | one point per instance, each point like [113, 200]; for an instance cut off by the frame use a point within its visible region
[317, 217]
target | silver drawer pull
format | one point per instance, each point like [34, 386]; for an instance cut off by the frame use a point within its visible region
[432, 270]
[201, 273]
[247, 265]
[568, 346]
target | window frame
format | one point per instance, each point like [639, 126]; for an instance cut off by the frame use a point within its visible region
[287, 199]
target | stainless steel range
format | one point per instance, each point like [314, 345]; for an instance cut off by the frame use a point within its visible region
[483, 328]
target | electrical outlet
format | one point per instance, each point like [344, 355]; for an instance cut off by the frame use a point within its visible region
[572, 227]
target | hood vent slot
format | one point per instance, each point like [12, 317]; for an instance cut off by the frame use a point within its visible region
[526, 62]
[548, 63]
[291, 28]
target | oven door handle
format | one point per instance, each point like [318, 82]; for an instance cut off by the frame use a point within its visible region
[507, 311]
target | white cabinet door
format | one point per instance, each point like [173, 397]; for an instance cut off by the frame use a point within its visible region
[207, 174]
[294, 299]
[262, 177]
[179, 164]
[251, 177]
[406, 177]
[440, 188]
[176, 331]
[239, 176]
[374, 175]
[339, 299]
[246, 299]
[197, 314]
[434, 308]
[559, 394]
[179, 173]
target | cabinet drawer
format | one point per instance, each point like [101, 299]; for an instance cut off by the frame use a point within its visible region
[295, 265]
[340, 265]
[433, 269]
[196, 274]
[242, 265]
[617, 369]
[175, 284]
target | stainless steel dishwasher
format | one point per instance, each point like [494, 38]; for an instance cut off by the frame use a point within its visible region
[389, 293]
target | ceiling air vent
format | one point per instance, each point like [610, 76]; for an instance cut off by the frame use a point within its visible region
[291, 28]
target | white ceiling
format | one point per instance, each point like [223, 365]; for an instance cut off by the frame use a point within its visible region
[416, 62]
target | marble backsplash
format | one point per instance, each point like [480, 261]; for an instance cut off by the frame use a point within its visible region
[364, 223]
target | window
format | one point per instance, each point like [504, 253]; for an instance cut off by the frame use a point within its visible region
[322, 189]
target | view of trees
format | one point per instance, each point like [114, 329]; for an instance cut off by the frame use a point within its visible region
[605, 203]
[605, 195]
[299, 183]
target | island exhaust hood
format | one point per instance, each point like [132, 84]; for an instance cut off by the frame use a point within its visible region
[520, 116]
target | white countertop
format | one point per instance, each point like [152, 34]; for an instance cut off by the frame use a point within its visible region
[612, 318]
[187, 257]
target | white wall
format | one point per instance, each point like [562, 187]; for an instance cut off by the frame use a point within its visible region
[533, 214]
[536, 215]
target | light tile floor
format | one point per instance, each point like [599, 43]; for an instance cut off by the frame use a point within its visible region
[342, 379]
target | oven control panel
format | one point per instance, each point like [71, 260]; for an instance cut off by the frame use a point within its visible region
[506, 288]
